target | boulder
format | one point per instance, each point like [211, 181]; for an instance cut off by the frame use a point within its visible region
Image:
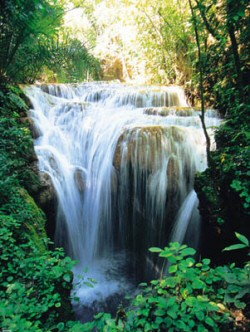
[80, 178]
[47, 200]
[31, 123]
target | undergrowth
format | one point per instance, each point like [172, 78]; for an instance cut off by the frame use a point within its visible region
[193, 296]
[35, 282]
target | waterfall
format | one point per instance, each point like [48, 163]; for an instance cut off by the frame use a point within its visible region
[187, 214]
[122, 160]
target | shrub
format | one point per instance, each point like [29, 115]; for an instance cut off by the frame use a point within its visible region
[192, 297]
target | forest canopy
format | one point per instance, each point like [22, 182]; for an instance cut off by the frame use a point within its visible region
[152, 42]
[35, 44]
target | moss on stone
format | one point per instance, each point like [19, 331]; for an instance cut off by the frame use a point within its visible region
[37, 273]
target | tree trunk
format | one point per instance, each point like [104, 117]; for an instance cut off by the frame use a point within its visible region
[202, 116]
[234, 44]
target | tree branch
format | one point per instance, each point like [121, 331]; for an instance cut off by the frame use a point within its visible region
[202, 116]
[207, 24]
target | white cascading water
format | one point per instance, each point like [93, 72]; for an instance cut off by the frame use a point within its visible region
[122, 160]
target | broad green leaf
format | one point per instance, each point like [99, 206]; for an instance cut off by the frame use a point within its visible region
[172, 313]
[171, 282]
[155, 249]
[240, 305]
[175, 245]
[60, 326]
[201, 328]
[188, 252]
[145, 312]
[162, 301]
[154, 282]
[166, 254]
[182, 326]
[190, 301]
[206, 261]
[99, 315]
[67, 277]
[172, 259]
[198, 284]
[202, 298]
[160, 312]
[190, 261]
[143, 284]
[242, 238]
[173, 269]
[191, 323]
[200, 315]
[235, 247]
[171, 302]
[159, 320]
[209, 321]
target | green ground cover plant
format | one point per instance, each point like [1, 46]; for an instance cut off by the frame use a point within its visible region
[35, 282]
[189, 296]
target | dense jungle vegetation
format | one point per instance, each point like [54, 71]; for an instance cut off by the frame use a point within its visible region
[203, 45]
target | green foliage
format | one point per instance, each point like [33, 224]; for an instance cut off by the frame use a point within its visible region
[244, 243]
[32, 281]
[223, 189]
[33, 41]
[224, 33]
[16, 143]
[35, 283]
[25, 25]
[192, 297]
[145, 41]
[70, 61]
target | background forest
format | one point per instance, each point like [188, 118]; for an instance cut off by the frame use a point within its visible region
[203, 45]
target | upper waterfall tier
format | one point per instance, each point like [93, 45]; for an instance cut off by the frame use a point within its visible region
[120, 94]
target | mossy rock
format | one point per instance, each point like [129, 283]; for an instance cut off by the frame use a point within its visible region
[21, 206]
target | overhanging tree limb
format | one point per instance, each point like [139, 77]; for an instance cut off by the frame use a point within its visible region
[206, 22]
[202, 116]
[231, 32]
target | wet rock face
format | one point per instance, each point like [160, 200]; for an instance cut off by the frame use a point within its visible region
[173, 173]
[157, 158]
[56, 91]
[31, 123]
[140, 146]
[151, 163]
[48, 192]
[157, 162]
[171, 110]
[144, 147]
[80, 179]
[47, 200]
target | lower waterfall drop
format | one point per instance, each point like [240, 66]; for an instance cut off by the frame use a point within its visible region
[122, 161]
